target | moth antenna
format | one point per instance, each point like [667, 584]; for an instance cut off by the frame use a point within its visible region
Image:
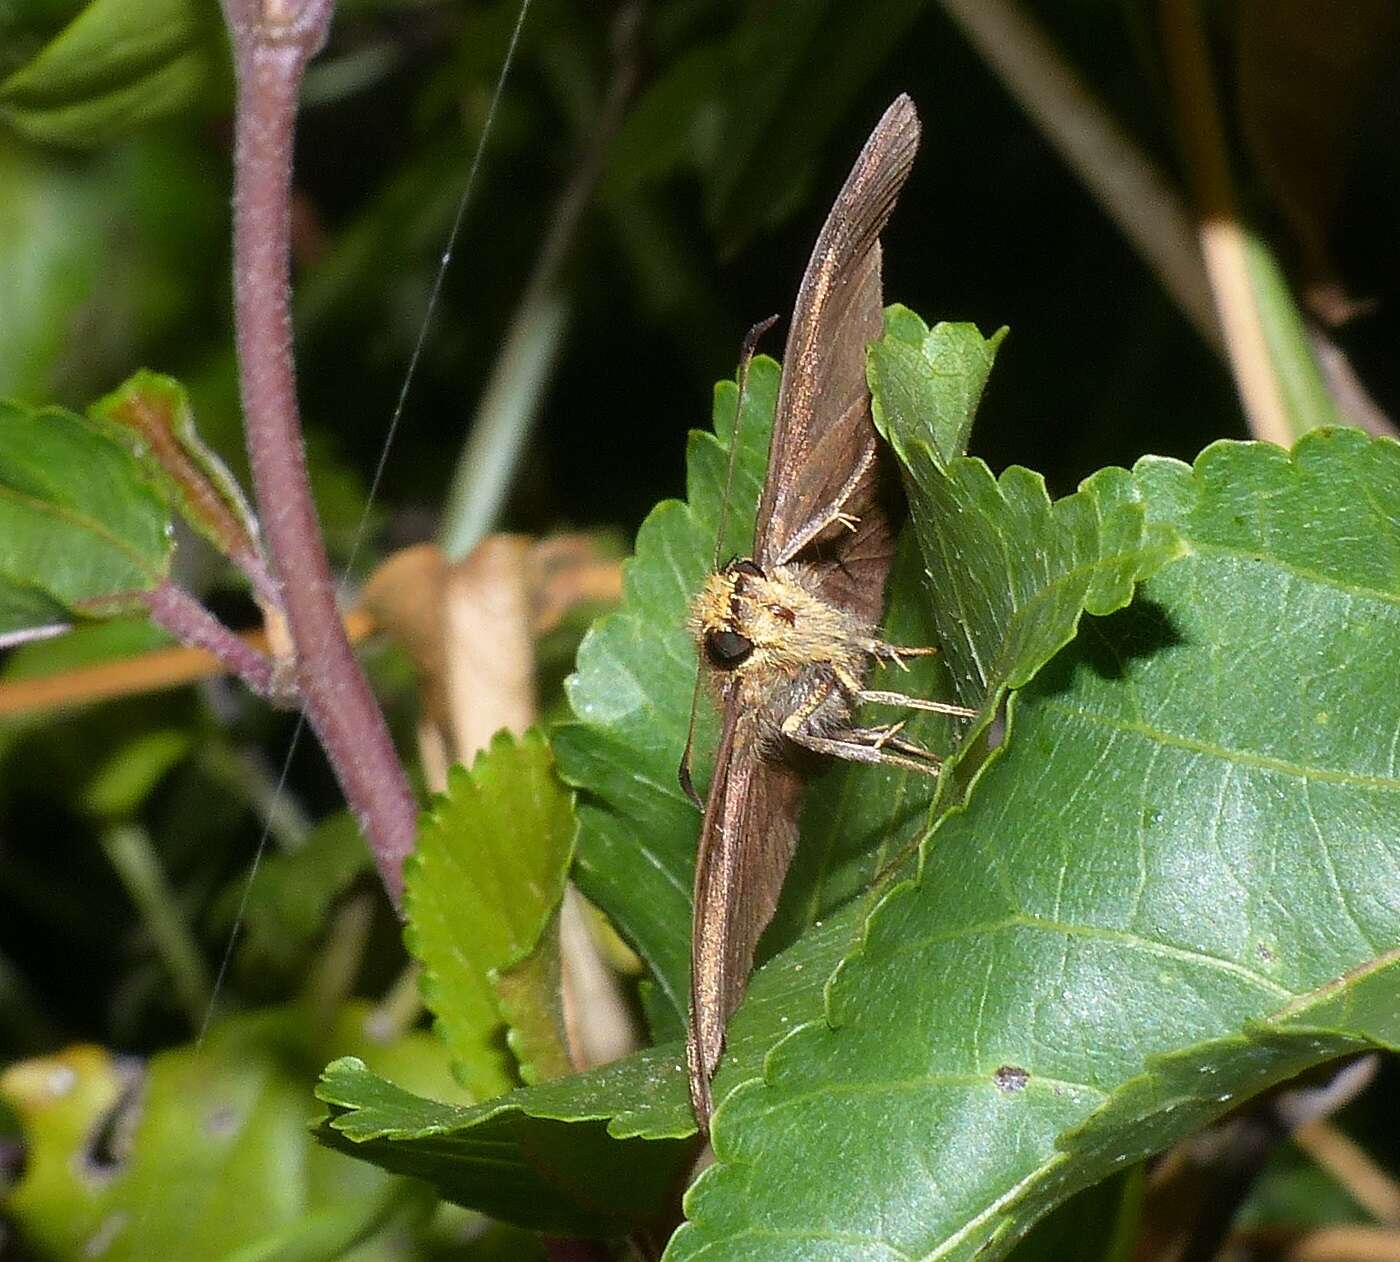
[745, 355]
[683, 771]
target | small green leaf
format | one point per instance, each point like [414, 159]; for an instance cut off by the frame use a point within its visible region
[480, 892]
[530, 1001]
[151, 414]
[930, 381]
[467, 1152]
[514, 1157]
[123, 782]
[78, 521]
[119, 65]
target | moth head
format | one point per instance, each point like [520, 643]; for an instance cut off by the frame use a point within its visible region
[743, 617]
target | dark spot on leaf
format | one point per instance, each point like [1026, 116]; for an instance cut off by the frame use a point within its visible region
[110, 1143]
[1011, 1078]
[1265, 953]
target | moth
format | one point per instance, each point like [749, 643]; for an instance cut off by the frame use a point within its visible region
[787, 635]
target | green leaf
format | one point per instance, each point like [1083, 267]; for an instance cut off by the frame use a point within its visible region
[119, 65]
[78, 522]
[930, 381]
[643, 1096]
[151, 415]
[514, 1157]
[122, 783]
[1172, 886]
[480, 892]
[1009, 572]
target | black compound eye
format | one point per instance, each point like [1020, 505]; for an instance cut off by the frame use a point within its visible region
[727, 649]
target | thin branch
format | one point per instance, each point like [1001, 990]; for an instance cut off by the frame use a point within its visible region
[1224, 237]
[272, 42]
[1368, 1183]
[1353, 400]
[1346, 1244]
[144, 672]
[173, 608]
[1341, 1243]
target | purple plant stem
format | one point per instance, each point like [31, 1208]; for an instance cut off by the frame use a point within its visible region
[191, 623]
[272, 42]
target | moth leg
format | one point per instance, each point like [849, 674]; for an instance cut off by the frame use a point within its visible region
[886, 734]
[846, 744]
[896, 653]
[887, 737]
[797, 721]
[864, 745]
[815, 525]
[914, 703]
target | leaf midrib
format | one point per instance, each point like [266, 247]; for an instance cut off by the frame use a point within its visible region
[1317, 577]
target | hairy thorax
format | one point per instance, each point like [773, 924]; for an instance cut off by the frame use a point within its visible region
[780, 644]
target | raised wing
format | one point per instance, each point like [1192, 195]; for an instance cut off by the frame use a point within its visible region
[746, 842]
[823, 459]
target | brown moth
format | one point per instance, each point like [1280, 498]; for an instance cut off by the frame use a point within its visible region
[787, 635]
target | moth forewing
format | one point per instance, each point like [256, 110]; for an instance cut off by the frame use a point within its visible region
[787, 636]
